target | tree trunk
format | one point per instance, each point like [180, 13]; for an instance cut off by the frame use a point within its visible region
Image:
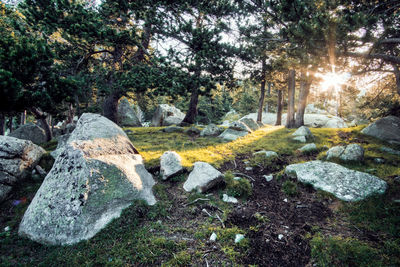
[110, 107]
[262, 93]
[192, 111]
[70, 113]
[397, 76]
[23, 118]
[268, 95]
[2, 123]
[279, 108]
[41, 116]
[305, 84]
[291, 90]
[10, 124]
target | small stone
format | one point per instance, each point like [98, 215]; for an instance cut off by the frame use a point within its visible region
[7, 228]
[238, 238]
[285, 200]
[268, 178]
[397, 179]
[379, 160]
[213, 237]
[308, 148]
[249, 168]
[229, 199]
[280, 236]
[237, 178]
[267, 154]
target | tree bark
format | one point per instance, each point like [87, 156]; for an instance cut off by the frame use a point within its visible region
[262, 93]
[41, 116]
[2, 123]
[397, 76]
[110, 107]
[279, 108]
[70, 113]
[305, 84]
[290, 123]
[23, 117]
[268, 96]
[192, 111]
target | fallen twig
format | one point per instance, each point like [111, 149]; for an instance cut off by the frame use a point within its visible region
[223, 225]
[196, 200]
[245, 175]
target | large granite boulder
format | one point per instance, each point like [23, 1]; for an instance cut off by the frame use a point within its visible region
[202, 178]
[166, 115]
[345, 184]
[17, 160]
[252, 124]
[30, 132]
[387, 129]
[170, 164]
[97, 174]
[127, 115]
[239, 126]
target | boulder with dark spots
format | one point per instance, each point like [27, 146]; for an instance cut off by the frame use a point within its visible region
[97, 174]
[252, 124]
[387, 129]
[202, 178]
[211, 130]
[170, 164]
[352, 152]
[166, 115]
[127, 115]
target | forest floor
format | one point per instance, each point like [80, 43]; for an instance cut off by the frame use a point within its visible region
[284, 223]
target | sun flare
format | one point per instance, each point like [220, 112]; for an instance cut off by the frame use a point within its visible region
[333, 80]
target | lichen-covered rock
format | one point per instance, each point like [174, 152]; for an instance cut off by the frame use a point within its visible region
[192, 131]
[335, 122]
[4, 191]
[267, 154]
[304, 131]
[127, 115]
[210, 130]
[252, 124]
[173, 129]
[231, 135]
[166, 115]
[202, 178]
[239, 126]
[352, 152]
[301, 139]
[30, 132]
[387, 129]
[345, 184]
[170, 164]
[308, 148]
[61, 141]
[389, 150]
[96, 176]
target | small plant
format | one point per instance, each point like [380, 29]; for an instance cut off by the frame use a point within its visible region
[237, 188]
[289, 188]
[269, 163]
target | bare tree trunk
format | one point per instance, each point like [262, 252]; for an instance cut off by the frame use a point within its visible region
[192, 111]
[279, 108]
[70, 113]
[268, 95]
[305, 84]
[23, 118]
[110, 107]
[262, 93]
[291, 91]
[10, 124]
[2, 123]
[41, 116]
[397, 75]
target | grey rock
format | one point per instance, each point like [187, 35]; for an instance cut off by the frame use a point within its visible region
[62, 141]
[267, 154]
[166, 115]
[229, 199]
[4, 191]
[69, 128]
[352, 152]
[210, 130]
[308, 148]
[30, 132]
[173, 129]
[389, 150]
[268, 178]
[96, 176]
[239, 126]
[231, 135]
[301, 139]
[40, 171]
[335, 122]
[335, 152]
[304, 131]
[345, 184]
[170, 164]
[202, 178]
[387, 129]
[192, 131]
[379, 160]
[252, 124]
[127, 115]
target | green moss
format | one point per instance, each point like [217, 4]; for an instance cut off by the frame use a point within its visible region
[237, 188]
[338, 251]
[50, 146]
[290, 188]
[182, 258]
